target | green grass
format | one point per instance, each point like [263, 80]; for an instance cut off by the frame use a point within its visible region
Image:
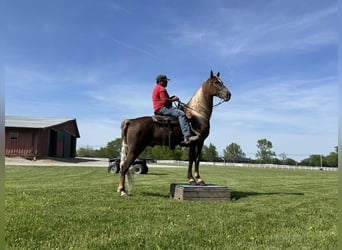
[78, 208]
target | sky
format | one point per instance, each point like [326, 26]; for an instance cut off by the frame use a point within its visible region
[97, 61]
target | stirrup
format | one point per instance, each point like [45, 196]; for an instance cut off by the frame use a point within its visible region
[188, 139]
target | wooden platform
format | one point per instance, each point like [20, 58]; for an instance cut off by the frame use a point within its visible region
[209, 192]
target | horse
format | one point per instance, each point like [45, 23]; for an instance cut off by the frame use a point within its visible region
[138, 133]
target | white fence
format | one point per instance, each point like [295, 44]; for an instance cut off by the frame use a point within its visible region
[250, 165]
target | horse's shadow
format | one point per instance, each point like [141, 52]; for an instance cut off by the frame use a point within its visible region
[157, 173]
[236, 195]
[156, 194]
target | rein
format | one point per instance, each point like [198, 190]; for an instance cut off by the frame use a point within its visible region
[219, 103]
[185, 106]
[182, 104]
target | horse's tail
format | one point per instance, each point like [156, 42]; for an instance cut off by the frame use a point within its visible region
[124, 145]
[124, 150]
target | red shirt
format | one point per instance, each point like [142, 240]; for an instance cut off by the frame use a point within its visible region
[160, 97]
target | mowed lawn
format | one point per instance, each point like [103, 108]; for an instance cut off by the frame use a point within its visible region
[78, 208]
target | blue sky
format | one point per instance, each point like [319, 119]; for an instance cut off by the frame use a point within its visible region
[96, 61]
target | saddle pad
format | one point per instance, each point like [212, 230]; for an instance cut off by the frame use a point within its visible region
[165, 119]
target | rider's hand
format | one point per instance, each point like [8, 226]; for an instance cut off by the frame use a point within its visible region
[174, 98]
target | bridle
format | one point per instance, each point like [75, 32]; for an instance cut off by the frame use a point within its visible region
[183, 106]
[219, 103]
[218, 90]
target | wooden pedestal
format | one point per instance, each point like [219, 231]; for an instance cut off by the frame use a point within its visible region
[210, 192]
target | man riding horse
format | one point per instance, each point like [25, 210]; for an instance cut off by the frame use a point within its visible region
[162, 105]
[138, 133]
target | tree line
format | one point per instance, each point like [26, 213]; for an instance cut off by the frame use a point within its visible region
[232, 153]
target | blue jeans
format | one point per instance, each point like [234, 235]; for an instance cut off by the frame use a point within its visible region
[183, 121]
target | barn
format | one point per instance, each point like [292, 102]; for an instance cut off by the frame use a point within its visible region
[34, 137]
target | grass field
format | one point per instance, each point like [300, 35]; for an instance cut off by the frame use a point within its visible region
[78, 208]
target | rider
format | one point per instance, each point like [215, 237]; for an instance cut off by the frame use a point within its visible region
[162, 105]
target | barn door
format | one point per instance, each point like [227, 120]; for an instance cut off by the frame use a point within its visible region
[67, 145]
[53, 143]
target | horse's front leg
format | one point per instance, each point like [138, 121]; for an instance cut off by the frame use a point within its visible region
[198, 179]
[192, 157]
[191, 179]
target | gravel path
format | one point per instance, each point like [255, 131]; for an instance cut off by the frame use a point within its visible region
[91, 162]
[75, 162]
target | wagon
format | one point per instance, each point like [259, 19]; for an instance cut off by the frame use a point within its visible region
[139, 166]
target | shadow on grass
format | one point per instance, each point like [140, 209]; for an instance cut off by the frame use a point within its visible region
[156, 194]
[71, 159]
[236, 195]
[157, 173]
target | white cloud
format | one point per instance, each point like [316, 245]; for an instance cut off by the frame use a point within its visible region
[125, 98]
[298, 117]
[97, 132]
[293, 103]
[242, 32]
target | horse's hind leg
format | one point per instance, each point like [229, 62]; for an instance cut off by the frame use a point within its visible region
[124, 166]
[121, 187]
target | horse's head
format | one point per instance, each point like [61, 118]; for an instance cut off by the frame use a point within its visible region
[217, 87]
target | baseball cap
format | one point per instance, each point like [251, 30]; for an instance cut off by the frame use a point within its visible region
[162, 78]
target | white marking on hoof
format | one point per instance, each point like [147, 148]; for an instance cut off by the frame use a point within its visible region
[200, 182]
[192, 181]
[123, 193]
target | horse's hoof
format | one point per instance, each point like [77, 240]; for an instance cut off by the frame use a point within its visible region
[122, 193]
[192, 182]
[200, 183]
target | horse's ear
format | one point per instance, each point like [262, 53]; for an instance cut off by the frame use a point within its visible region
[211, 74]
[218, 74]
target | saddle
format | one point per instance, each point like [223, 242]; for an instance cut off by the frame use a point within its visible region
[168, 122]
[165, 119]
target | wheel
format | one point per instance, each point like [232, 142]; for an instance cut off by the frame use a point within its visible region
[140, 168]
[113, 168]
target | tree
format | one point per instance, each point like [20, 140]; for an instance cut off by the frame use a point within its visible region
[165, 153]
[332, 159]
[178, 153]
[86, 152]
[160, 152]
[233, 152]
[265, 153]
[113, 148]
[283, 157]
[185, 154]
[209, 153]
[313, 160]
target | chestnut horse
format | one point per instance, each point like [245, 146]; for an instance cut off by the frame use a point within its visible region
[141, 132]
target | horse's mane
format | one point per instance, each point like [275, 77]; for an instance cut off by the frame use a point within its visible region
[201, 103]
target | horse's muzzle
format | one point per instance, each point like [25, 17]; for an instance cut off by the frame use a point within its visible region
[224, 95]
[228, 96]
